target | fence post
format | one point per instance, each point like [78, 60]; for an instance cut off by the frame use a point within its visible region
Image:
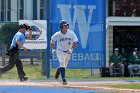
[31, 61]
[3, 55]
[3, 58]
[43, 72]
[48, 13]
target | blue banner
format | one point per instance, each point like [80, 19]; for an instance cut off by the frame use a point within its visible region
[87, 19]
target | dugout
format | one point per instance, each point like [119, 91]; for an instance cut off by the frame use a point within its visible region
[122, 32]
[127, 37]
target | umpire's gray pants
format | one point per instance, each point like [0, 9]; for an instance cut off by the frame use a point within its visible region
[130, 67]
[112, 66]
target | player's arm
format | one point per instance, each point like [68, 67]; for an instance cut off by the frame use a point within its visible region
[70, 50]
[52, 44]
[54, 38]
[75, 40]
[75, 45]
[52, 47]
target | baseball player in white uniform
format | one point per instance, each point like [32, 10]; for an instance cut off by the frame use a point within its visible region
[66, 42]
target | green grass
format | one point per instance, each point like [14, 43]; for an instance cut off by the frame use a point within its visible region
[128, 86]
[34, 72]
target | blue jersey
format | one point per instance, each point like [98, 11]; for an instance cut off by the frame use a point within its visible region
[18, 37]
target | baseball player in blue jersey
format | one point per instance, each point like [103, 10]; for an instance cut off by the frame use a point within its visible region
[17, 43]
[66, 42]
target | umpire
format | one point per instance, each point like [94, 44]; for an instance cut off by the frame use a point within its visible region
[17, 43]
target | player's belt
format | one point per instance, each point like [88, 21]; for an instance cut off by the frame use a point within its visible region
[63, 51]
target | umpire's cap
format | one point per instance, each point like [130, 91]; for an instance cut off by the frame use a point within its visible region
[21, 26]
[63, 22]
[24, 26]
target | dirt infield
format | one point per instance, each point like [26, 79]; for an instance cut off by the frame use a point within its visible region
[88, 85]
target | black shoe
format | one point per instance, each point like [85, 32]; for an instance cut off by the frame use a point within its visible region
[64, 82]
[57, 73]
[24, 79]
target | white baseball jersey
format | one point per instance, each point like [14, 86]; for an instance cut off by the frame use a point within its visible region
[64, 41]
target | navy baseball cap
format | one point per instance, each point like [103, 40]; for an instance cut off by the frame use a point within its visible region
[63, 22]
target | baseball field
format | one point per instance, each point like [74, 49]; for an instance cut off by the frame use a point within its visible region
[77, 79]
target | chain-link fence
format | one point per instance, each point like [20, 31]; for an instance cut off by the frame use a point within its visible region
[11, 11]
[33, 61]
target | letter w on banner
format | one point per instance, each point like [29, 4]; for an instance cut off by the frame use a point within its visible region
[87, 20]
